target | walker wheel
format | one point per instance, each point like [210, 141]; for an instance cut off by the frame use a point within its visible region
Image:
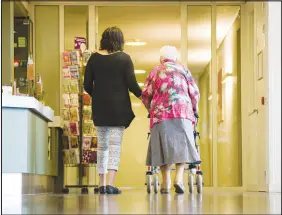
[149, 183]
[84, 190]
[66, 190]
[191, 183]
[156, 183]
[96, 190]
[199, 181]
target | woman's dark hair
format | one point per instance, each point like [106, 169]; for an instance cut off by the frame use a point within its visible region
[112, 40]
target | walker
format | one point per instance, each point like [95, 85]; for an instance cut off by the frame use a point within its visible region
[195, 169]
[152, 178]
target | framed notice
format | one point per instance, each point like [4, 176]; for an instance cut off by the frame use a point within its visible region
[260, 65]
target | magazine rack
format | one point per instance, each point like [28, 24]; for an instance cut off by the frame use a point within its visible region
[79, 136]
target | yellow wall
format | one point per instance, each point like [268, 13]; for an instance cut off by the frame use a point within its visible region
[229, 153]
[7, 42]
[75, 24]
[229, 160]
[205, 126]
[134, 149]
[47, 53]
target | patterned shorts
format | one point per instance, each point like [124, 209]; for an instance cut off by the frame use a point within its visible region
[109, 147]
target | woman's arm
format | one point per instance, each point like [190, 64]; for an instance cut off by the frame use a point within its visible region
[131, 79]
[193, 91]
[88, 78]
[147, 93]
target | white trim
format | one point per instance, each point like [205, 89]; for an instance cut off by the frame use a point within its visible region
[62, 47]
[273, 41]
[244, 103]
[91, 27]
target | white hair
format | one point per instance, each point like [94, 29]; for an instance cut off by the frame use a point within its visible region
[169, 52]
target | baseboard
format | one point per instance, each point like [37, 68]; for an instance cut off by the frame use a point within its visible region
[21, 183]
[274, 188]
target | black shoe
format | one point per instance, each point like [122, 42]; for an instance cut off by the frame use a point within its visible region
[179, 188]
[113, 190]
[102, 190]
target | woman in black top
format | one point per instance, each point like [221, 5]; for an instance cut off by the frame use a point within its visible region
[109, 76]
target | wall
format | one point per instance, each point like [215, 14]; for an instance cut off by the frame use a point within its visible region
[229, 152]
[205, 126]
[7, 42]
[274, 83]
[47, 53]
[134, 149]
[75, 24]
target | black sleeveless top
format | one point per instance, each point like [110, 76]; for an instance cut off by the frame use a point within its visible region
[108, 80]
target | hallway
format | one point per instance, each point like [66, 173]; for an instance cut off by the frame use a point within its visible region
[137, 201]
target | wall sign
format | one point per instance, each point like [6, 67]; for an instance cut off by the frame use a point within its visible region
[80, 43]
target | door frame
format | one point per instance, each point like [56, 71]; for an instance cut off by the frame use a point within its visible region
[92, 35]
[251, 111]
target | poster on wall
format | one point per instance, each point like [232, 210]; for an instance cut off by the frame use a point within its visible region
[80, 43]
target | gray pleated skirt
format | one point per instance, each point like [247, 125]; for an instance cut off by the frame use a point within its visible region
[171, 142]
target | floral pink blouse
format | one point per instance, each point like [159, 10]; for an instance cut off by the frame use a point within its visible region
[170, 92]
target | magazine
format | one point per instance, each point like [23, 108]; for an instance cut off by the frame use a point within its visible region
[74, 72]
[66, 59]
[66, 143]
[85, 57]
[86, 143]
[86, 99]
[94, 143]
[87, 112]
[74, 55]
[88, 128]
[66, 129]
[66, 114]
[73, 142]
[74, 102]
[74, 114]
[66, 73]
[74, 128]
[67, 100]
[74, 86]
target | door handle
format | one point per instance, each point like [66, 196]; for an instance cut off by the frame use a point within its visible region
[254, 111]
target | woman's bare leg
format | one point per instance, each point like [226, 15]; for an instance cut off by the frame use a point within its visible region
[179, 172]
[102, 180]
[178, 180]
[111, 177]
[165, 170]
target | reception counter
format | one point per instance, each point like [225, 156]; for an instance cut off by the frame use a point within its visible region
[29, 156]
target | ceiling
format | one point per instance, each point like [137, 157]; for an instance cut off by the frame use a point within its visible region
[159, 26]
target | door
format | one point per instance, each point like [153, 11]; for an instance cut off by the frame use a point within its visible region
[256, 134]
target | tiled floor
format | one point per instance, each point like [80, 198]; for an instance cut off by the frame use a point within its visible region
[139, 202]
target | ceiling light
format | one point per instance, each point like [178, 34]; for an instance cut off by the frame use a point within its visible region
[139, 71]
[135, 43]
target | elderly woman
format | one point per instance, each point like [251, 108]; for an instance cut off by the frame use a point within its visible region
[171, 97]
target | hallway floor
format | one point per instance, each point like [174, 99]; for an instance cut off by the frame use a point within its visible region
[139, 202]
